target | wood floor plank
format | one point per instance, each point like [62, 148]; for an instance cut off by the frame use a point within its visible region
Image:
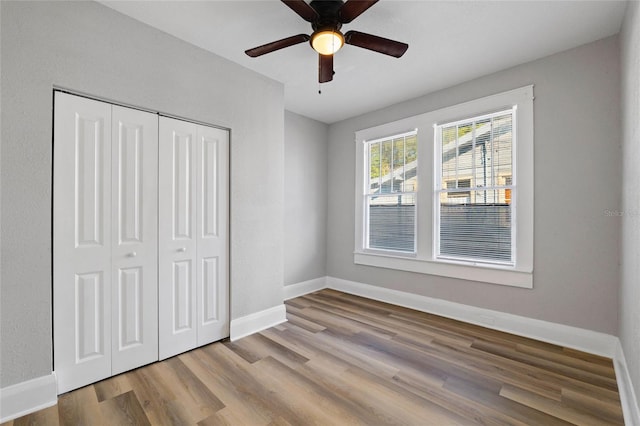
[124, 409]
[344, 359]
[391, 325]
[310, 402]
[609, 411]
[395, 402]
[112, 387]
[195, 398]
[155, 397]
[492, 399]
[276, 335]
[467, 408]
[568, 371]
[605, 370]
[48, 416]
[304, 323]
[463, 363]
[596, 359]
[262, 346]
[551, 407]
[243, 376]
[341, 384]
[240, 406]
[359, 321]
[538, 380]
[80, 407]
[340, 348]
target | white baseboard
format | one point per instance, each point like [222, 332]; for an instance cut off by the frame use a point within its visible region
[559, 334]
[253, 323]
[26, 397]
[305, 287]
[625, 389]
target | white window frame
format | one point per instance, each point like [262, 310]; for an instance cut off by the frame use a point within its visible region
[438, 186]
[366, 195]
[520, 274]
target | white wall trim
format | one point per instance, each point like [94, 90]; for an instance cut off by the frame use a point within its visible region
[258, 321]
[26, 397]
[559, 334]
[628, 398]
[472, 272]
[304, 287]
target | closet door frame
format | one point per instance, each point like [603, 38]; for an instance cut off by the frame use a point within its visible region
[211, 316]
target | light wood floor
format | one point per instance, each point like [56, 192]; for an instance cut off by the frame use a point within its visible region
[342, 359]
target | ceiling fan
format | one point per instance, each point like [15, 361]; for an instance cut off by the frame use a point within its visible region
[326, 18]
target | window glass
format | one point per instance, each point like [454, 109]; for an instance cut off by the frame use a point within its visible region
[475, 209]
[390, 197]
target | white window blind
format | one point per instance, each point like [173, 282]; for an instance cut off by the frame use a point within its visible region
[390, 193]
[475, 189]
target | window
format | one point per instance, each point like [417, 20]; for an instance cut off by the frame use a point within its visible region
[452, 185]
[467, 211]
[391, 193]
[473, 212]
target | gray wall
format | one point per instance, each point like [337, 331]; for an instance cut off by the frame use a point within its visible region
[577, 177]
[305, 198]
[90, 48]
[629, 315]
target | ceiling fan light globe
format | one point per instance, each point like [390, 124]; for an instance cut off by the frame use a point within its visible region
[327, 42]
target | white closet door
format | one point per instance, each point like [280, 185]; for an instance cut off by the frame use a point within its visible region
[134, 201]
[177, 237]
[212, 243]
[82, 241]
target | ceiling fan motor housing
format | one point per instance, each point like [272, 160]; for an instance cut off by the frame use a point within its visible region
[328, 11]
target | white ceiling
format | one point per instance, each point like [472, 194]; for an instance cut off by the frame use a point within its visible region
[449, 42]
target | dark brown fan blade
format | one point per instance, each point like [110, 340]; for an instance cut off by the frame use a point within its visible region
[303, 9]
[325, 68]
[277, 45]
[375, 43]
[354, 8]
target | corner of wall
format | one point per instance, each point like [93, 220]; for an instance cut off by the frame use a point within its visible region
[256, 322]
[305, 287]
[627, 394]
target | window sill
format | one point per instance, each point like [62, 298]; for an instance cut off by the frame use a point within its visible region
[482, 273]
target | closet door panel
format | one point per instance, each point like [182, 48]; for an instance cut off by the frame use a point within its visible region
[134, 203]
[212, 234]
[177, 237]
[82, 241]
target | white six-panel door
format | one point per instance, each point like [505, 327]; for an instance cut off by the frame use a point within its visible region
[134, 201]
[192, 260]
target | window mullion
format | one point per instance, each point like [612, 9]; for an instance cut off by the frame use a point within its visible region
[493, 170]
[457, 164]
[473, 157]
